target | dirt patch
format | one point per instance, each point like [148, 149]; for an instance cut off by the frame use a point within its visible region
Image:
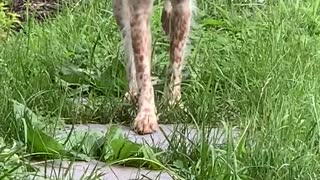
[40, 9]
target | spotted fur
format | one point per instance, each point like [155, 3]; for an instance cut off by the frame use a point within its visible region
[133, 19]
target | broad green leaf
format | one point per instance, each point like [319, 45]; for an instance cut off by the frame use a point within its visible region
[21, 111]
[73, 74]
[149, 153]
[124, 148]
[117, 148]
[109, 151]
[83, 141]
[40, 142]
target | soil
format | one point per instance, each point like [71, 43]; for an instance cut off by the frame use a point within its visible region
[41, 9]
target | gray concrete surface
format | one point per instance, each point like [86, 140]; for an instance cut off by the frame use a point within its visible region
[158, 139]
[80, 170]
[95, 170]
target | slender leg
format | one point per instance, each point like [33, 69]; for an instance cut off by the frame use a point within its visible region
[141, 10]
[122, 15]
[165, 16]
[180, 23]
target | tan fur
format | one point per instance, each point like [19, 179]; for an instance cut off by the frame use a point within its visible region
[133, 19]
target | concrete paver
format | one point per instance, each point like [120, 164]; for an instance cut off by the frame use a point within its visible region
[78, 170]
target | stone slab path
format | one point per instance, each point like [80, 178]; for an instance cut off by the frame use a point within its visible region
[79, 170]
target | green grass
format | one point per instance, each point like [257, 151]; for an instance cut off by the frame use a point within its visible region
[251, 65]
